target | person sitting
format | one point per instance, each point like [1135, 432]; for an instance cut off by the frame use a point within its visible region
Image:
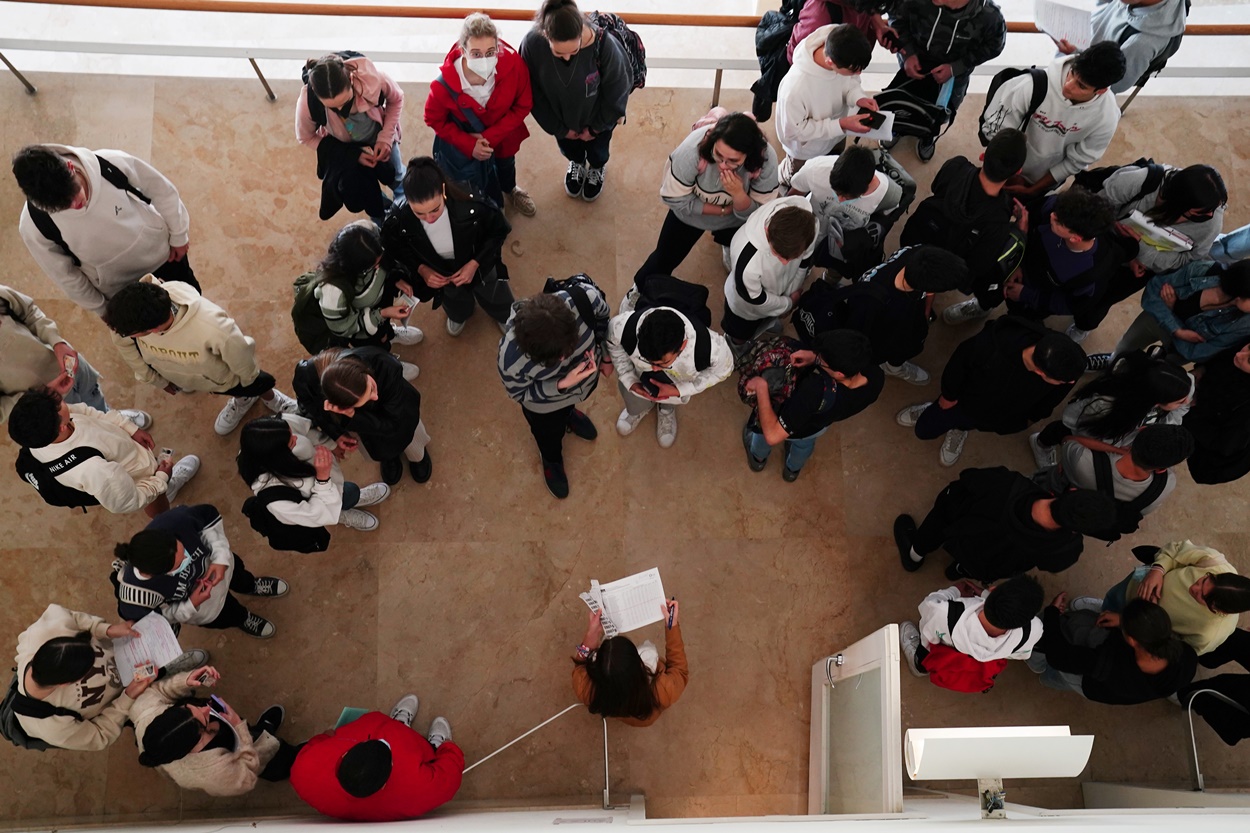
[864, 15]
[616, 678]
[378, 768]
[1220, 419]
[1143, 28]
[201, 746]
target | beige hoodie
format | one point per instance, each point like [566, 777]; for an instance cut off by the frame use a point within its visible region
[204, 350]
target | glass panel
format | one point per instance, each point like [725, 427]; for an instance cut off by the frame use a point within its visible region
[853, 740]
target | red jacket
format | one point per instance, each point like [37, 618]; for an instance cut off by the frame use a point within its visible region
[504, 113]
[421, 779]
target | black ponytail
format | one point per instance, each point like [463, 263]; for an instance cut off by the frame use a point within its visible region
[560, 21]
[425, 180]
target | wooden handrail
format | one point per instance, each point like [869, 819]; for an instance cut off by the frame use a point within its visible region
[445, 13]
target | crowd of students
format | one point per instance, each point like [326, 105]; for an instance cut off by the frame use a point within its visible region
[112, 232]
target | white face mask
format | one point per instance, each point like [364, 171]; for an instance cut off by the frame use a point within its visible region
[485, 67]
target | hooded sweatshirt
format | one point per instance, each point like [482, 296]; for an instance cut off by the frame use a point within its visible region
[760, 285]
[117, 236]
[377, 97]
[1155, 26]
[969, 635]
[1124, 185]
[1063, 138]
[27, 337]
[203, 350]
[964, 38]
[589, 91]
[811, 100]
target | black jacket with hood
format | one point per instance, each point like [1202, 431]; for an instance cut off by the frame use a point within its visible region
[963, 38]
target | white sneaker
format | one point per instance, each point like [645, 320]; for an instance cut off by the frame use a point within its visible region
[629, 301]
[405, 336]
[358, 519]
[280, 403]
[968, 310]
[907, 371]
[410, 370]
[1077, 334]
[231, 415]
[952, 447]
[1044, 457]
[911, 414]
[666, 425]
[440, 731]
[909, 641]
[406, 709]
[183, 471]
[455, 328]
[373, 494]
[724, 258]
[1086, 603]
[627, 422]
[141, 418]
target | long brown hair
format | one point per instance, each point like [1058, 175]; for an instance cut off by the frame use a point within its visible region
[621, 685]
[328, 76]
[344, 379]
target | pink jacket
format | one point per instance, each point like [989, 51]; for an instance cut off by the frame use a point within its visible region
[815, 13]
[369, 84]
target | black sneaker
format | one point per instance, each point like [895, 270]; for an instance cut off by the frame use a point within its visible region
[422, 469]
[954, 573]
[557, 480]
[271, 719]
[754, 462]
[904, 527]
[392, 471]
[925, 148]
[258, 626]
[1097, 362]
[788, 474]
[269, 586]
[580, 426]
[575, 179]
[594, 184]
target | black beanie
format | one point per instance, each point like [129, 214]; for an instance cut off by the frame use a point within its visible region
[1084, 511]
[365, 768]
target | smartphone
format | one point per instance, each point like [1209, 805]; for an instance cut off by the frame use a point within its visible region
[166, 454]
[71, 365]
[875, 119]
[889, 40]
[218, 704]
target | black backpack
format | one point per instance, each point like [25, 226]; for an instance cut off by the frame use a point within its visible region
[689, 299]
[316, 107]
[1128, 513]
[283, 536]
[114, 176]
[574, 287]
[15, 703]
[1094, 179]
[43, 477]
[1035, 101]
[823, 307]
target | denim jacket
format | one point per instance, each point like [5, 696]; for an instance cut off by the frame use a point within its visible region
[1222, 328]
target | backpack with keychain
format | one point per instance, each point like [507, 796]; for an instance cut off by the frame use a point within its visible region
[769, 357]
[629, 41]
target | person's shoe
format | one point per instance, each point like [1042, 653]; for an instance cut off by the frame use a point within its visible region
[359, 519]
[406, 336]
[258, 626]
[406, 709]
[270, 719]
[1077, 334]
[372, 495]
[409, 370]
[1097, 362]
[594, 184]
[392, 471]
[183, 471]
[579, 425]
[440, 732]
[908, 372]
[557, 480]
[141, 418]
[271, 586]
[754, 462]
[909, 641]
[1091, 603]
[522, 202]
[189, 661]
[911, 414]
[1044, 457]
[627, 422]
[725, 259]
[952, 447]
[628, 301]
[280, 403]
[953, 573]
[455, 328]
[666, 425]
[232, 414]
[422, 469]
[788, 474]
[904, 528]
[964, 311]
[925, 148]
[575, 179]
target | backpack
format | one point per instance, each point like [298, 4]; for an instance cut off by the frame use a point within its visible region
[913, 114]
[769, 357]
[629, 40]
[1094, 179]
[689, 299]
[111, 174]
[574, 287]
[823, 307]
[1128, 513]
[15, 703]
[957, 671]
[316, 107]
[772, 36]
[310, 325]
[43, 477]
[1035, 101]
[283, 536]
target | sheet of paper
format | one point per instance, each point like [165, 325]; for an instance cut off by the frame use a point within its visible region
[884, 133]
[157, 645]
[634, 601]
[594, 601]
[1163, 239]
[1068, 20]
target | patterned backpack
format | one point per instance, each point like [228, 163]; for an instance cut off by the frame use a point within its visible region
[769, 357]
[629, 40]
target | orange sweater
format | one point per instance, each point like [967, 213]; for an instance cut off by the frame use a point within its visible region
[671, 676]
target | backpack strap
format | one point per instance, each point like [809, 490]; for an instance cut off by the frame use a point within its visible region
[702, 340]
[71, 460]
[629, 335]
[1154, 178]
[1024, 638]
[114, 176]
[586, 309]
[1158, 482]
[1102, 473]
[954, 612]
[472, 123]
[43, 221]
[28, 706]
[1039, 94]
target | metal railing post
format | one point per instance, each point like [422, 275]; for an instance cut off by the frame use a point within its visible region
[1130, 98]
[268, 90]
[31, 89]
[716, 87]
[607, 800]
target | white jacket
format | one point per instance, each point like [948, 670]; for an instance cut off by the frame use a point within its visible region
[969, 636]
[687, 380]
[760, 285]
[323, 502]
[1063, 138]
[811, 100]
[117, 236]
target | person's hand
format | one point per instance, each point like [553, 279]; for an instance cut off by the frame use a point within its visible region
[1151, 587]
[63, 354]
[216, 573]
[867, 103]
[434, 280]
[732, 183]
[177, 253]
[138, 686]
[396, 312]
[757, 386]
[586, 135]
[1020, 214]
[1189, 335]
[404, 287]
[572, 134]
[1136, 268]
[323, 461]
[606, 367]
[61, 384]
[166, 466]
[911, 66]
[382, 152]
[802, 358]
[1167, 294]
[1127, 231]
[638, 390]
[946, 404]
[465, 274]
[231, 716]
[201, 593]
[144, 439]
[969, 588]
[1060, 603]
[886, 34]
[854, 124]
[204, 677]
[942, 73]
[666, 391]
[121, 629]
[670, 607]
[171, 389]
[347, 443]
[1066, 48]
[482, 150]
[583, 371]
[1107, 619]
[367, 158]
[1013, 287]
[795, 296]
[594, 631]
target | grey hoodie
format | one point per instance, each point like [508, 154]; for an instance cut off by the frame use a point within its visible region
[1155, 26]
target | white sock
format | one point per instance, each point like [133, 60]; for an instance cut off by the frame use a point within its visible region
[915, 556]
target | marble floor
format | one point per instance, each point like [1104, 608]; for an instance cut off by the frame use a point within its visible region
[467, 594]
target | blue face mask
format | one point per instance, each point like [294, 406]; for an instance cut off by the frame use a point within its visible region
[186, 565]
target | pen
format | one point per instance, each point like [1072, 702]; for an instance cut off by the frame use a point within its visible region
[670, 612]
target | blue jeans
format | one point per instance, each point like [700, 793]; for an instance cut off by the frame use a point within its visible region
[351, 494]
[1117, 597]
[1232, 247]
[797, 451]
[86, 389]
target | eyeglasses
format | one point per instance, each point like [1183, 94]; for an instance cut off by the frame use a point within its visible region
[489, 53]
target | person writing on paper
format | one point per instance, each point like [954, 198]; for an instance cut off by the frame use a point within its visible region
[615, 678]
[1143, 28]
[204, 744]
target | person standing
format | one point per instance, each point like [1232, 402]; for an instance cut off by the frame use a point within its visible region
[616, 678]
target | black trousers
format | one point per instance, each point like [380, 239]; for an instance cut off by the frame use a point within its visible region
[178, 270]
[735, 326]
[279, 767]
[677, 238]
[931, 533]
[1234, 649]
[593, 154]
[492, 291]
[1229, 722]
[234, 614]
[260, 385]
[549, 430]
